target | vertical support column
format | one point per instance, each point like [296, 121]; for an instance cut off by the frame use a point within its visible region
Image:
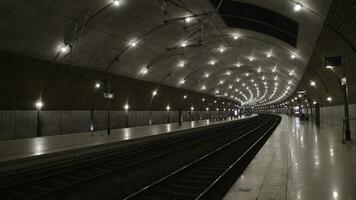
[38, 124]
[346, 112]
[317, 114]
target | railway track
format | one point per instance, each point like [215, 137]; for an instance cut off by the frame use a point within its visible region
[197, 179]
[35, 185]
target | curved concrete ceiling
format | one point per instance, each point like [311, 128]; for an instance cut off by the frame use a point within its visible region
[182, 43]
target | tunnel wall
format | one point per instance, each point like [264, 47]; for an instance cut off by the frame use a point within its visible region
[332, 116]
[22, 124]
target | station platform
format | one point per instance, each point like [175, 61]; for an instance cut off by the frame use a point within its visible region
[300, 162]
[26, 153]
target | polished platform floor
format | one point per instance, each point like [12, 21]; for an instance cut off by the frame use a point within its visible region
[22, 153]
[300, 162]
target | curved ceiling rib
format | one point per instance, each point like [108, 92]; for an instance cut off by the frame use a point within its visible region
[193, 32]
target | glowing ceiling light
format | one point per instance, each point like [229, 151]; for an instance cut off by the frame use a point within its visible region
[312, 83]
[314, 102]
[185, 96]
[192, 108]
[275, 78]
[237, 80]
[263, 78]
[203, 99]
[292, 56]
[329, 99]
[182, 81]
[259, 70]
[188, 19]
[238, 65]
[65, 48]
[154, 93]
[203, 87]
[289, 82]
[298, 6]
[133, 43]
[217, 91]
[228, 73]
[247, 74]
[206, 75]
[329, 67]
[230, 86]
[221, 82]
[206, 108]
[221, 49]
[274, 69]
[116, 2]
[181, 64]
[213, 62]
[269, 55]
[251, 59]
[184, 44]
[168, 108]
[144, 70]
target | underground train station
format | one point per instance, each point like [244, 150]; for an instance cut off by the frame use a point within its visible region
[178, 99]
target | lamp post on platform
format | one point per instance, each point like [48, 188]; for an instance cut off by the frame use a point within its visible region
[331, 63]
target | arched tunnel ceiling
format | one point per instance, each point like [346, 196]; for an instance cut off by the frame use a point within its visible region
[245, 61]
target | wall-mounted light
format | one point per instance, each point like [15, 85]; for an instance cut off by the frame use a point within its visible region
[154, 93]
[192, 108]
[39, 104]
[329, 99]
[97, 85]
[126, 107]
[168, 108]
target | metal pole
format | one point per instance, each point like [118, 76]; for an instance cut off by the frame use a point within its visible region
[127, 118]
[346, 109]
[180, 116]
[317, 114]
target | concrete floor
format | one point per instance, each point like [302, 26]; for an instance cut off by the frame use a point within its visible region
[300, 162]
